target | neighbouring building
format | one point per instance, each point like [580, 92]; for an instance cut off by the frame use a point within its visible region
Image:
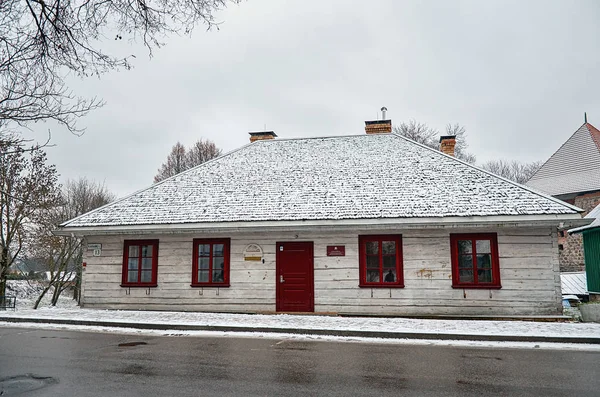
[360, 224]
[572, 174]
[591, 249]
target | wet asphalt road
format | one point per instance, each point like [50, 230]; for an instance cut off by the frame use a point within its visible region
[65, 363]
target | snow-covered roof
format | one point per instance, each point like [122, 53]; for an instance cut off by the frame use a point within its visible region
[593, 214]
[331, 178]
[574, 167]
[574, 283]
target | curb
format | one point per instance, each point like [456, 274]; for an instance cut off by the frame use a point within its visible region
[320, 332]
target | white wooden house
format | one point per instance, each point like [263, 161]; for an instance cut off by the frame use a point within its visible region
[364, 224]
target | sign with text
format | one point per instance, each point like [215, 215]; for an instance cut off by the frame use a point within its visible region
[336, 250]
[253, 252]
[96, 248]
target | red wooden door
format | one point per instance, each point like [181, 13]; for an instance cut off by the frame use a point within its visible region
[295, 275]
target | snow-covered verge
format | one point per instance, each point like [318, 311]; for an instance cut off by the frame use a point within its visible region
[283, 337]
[27, 292]
[283, 321]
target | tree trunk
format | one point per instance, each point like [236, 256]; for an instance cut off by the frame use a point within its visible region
[3, 287]
[56, 294]
[3, 271]
[77, 289]
[39, 299]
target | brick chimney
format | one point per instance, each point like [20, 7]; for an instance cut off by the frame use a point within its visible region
[447, 143]
[259, 136]
[379, 126]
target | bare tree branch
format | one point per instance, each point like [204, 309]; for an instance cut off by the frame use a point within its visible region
[181, 159]
[513, 170]
[44, 41]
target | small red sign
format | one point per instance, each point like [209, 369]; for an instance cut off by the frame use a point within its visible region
[336, 250]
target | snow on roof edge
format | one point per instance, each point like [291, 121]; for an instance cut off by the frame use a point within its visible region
[66, 223]
[534, 191]
[593, 214]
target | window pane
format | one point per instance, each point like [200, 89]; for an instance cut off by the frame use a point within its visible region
[484, 261]
[147, 251]
[218, 263]
[146, 263]
[203, 263]
[484, 275]
[203, 276]
[465, 261]
[134, 251]
[132, 276]
[217, 276]
[388, 247]
[372, 261]
[466, 275]
[132, 264]
[372, 276]
[204, 250]
[389, 261]
[483, 246]
[465, 247]
[146, 276]
[390, 276]
[218, 249]
[372, 247]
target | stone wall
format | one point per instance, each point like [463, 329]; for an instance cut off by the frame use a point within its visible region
[571, 247]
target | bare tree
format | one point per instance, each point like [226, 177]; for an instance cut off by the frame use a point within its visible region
[422, 133]
[63, 255]
[418, 132]
[28, 187]
[201, 152]
[513, 170]
[176, 163]
[43, 41]
[181, 159]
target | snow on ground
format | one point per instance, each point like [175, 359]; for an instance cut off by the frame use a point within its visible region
[66, 309]
[27, 292]
[466, 327]
[283, 337]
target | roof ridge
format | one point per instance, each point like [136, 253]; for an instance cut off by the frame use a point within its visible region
[534, 191]
[319, 137]
[595, 133]
[556, 151]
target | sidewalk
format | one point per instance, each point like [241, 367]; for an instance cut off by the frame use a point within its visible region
[362, 327]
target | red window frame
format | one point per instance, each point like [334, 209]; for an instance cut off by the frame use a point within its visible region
[362, 252]
[154, 270]
[495, 262]
[211, 256]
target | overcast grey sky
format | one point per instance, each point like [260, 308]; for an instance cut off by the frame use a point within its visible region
[517, 74]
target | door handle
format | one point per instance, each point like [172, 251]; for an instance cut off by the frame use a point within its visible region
[281, 280]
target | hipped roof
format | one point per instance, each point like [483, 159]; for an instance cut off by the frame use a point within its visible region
[332, 178]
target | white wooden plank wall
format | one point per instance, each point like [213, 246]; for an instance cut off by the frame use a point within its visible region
[528, 270]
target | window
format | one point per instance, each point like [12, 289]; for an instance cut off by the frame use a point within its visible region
[380, 259]
[211, 263]
[140, 263]
[475, 260]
